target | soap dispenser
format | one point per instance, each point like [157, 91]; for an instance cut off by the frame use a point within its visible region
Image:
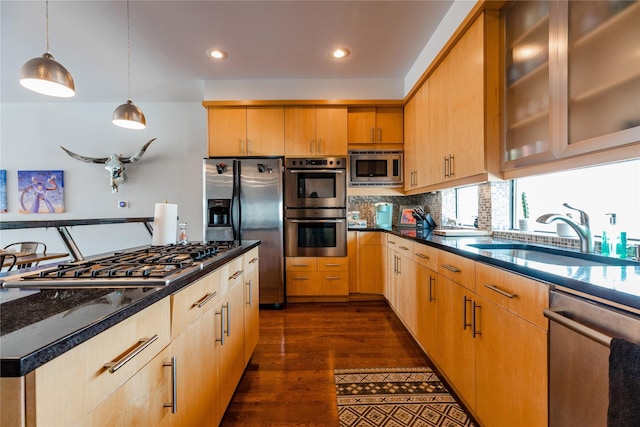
[608, 234]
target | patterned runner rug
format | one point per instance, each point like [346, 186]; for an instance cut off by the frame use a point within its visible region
[395, 397]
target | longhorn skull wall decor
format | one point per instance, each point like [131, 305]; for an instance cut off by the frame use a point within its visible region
[114, 163]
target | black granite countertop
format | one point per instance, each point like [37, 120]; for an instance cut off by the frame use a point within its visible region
[37, 326]
[619, 285]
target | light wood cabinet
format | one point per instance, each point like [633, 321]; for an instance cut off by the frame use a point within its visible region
[456, 114]
[93, 370]
[372, 260]
[196, 352]
[513, 343]
[144, 400]
[572, 88]
[231, 329]
[456, 346]
[246, 131]
[482, 326]
[375, 125]
[251, 302]
[417, 146]
[317, 279]
[315, 131]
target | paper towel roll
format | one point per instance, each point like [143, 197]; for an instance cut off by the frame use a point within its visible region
[165, 224]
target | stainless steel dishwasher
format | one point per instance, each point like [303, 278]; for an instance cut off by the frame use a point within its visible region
[580, 333]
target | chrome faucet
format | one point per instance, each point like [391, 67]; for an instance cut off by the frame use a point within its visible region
[583, 229]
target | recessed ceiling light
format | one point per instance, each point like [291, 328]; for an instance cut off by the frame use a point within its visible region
[217, 53]
[341, 53]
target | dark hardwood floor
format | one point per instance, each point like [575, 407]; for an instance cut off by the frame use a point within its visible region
[289, 380]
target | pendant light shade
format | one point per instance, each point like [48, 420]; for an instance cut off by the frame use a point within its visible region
[45, 75]
[128, 115]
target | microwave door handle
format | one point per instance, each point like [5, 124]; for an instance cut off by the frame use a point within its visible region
[336, 171]
[333, 221]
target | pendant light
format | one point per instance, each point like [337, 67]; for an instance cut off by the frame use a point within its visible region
[128, 115]
[45, 75]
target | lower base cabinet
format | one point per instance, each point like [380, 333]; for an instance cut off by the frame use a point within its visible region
[144, 400]
[482, 326]
[201, 339]
[317, 278]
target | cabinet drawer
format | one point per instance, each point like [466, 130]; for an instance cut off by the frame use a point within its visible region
[400, 245]
[426, 256]
[371, 238]
[302, 264]
[523, 296]
[333, 264]
[326, 283]
[231, 274]
[191, 302]
[302, 283]
[70, 386]
[457, 268]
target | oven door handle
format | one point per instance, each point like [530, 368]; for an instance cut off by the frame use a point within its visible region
[334, 221]
[336, 171]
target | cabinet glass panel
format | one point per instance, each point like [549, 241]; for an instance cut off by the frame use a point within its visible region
[527, 80]
[603, 68]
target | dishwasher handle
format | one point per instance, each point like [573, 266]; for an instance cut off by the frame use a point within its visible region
[592, 334]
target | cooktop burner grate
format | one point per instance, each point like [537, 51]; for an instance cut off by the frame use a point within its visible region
[152, 266]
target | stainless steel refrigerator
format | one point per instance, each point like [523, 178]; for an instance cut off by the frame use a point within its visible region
[243, 201]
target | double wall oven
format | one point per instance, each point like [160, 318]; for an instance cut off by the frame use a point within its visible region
[315, 207]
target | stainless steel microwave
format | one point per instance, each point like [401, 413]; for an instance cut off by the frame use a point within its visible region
[375, 168]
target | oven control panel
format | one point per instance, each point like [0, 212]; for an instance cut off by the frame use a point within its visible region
[316, 163]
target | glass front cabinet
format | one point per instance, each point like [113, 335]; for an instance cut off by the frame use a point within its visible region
[572, 79]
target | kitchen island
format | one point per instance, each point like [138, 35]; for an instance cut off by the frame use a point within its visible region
[41, 330]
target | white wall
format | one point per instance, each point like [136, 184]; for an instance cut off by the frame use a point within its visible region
[30, 139]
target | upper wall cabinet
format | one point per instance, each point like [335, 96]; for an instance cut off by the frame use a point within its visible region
[456, 113]
[313, 131]
[382, 125]
[246, 131]
[572, 79]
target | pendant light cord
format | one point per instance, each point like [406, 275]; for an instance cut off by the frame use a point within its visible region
[46, 14]
[128, 50]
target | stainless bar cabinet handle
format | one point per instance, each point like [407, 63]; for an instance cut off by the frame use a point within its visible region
[446, 167]
[333, 278]
[204, 300]
[556, 316]
[451, 167]
[221, 313]
[421, 255]
[300, 265]
[174, 385]
[431, 280]
[373, 137]
[235, 275]
[404, 248]
[228, 322]
[142, 344]
[250, 292]
[451, 268]
[474, 319]
[332, 265]
[301, 278]
[464, 312]
[254, 260]
[500, 291]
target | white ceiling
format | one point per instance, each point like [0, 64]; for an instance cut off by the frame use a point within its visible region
[264, 40]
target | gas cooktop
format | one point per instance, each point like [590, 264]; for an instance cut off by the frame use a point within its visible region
[147, 267]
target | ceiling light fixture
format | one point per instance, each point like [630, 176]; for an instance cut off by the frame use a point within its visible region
[341, 53]
[128, 115]
[45, 75]
[217, 53]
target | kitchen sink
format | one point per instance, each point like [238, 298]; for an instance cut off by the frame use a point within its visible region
[546, 255]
